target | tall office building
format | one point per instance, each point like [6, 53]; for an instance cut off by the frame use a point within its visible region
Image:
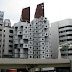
[1, 29]
[31, 40]
[7, 39]
[61, 33]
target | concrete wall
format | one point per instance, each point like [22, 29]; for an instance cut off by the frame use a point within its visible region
[8, 41]
[54, 39]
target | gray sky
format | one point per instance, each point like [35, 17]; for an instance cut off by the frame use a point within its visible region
[55, 10]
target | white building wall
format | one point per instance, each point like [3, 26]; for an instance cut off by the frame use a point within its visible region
[8, 42]
[61, 33]
[21, 40]
[54, 39]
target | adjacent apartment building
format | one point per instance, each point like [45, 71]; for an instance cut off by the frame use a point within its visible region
[7, 39]
[61, 33]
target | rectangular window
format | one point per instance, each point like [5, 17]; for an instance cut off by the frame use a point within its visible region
[10, 41]
[10, 51]
[10, 36]
[0, 24]
[10, 45]
[0, 29]
[4, 35]
[0, 34]
[0, 40]
[11, 31]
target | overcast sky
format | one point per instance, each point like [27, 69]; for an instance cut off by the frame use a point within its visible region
[55, 10]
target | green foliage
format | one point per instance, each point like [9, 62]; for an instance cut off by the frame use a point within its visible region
[65, 48]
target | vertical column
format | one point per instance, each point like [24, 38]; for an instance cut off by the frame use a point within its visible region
[25, 40]
[41, 38]
[30, 41]
[19, 34]
[16, 50]
[47, 39]
[36, 40]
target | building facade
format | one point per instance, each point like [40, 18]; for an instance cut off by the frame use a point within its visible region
[31, 40]
[61, 33]
[1, 31]
[7, 39]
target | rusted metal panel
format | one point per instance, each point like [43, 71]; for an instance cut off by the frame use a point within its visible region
[25, 16]
[39, 11]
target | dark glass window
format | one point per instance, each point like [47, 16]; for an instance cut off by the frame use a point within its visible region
[70, 54]
[0, 24]
[0, 29]
[11, 31]
[69, 49]
[10, 41]
[10, 51]
[10, 36]
[10, 45]
[65, 26]
[69, 39]
[30, 56]
[0, 34]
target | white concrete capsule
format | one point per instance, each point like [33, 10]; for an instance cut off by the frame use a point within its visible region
[21, 55]
[16, 51]
[30, 56]
[25, 36]
[42, 43]
[42, 52]
[25, 45]
[30, 51]
[22, 50]
[42, 56]
[16, 55]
